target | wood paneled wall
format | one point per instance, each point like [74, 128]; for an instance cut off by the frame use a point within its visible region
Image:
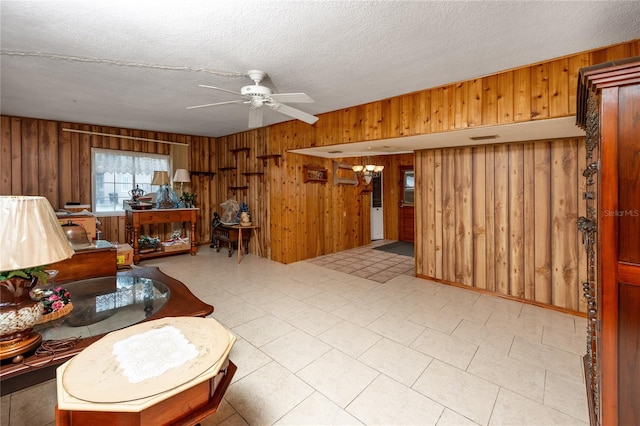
[503, 218]
[38, 158]
[534, 92]
[311, 219]
[242, 176]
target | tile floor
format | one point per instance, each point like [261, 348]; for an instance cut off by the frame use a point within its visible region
[319, 346]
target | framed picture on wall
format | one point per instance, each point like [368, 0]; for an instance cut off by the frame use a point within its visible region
[313, 173]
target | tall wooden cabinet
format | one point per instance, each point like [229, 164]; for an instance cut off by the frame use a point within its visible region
[609, 111]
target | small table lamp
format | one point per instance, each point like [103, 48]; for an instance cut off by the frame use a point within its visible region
[30, 239]
[182, 176]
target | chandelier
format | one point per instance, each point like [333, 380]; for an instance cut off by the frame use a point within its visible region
[368, 171]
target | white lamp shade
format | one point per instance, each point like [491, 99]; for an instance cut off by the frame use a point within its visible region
[357, 168]
[30, 234]
[181, 175]
[378, 169]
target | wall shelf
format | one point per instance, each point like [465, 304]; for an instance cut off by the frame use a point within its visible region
[224, 169]
[265, 158]
[200, 174]
[235, 151]
[238, 188]
[259, 174]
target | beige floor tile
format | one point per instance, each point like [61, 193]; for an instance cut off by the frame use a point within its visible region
[566, 396]
[27, 406]
[326, 300]
[313, 320]
[470, 312]
[458, 390]
[247, 358]
[395, 404]
[350, 338]
[513, 409]
[357, 313]
[501, 308]
[552, 359]
[452, 350]
[234, 420]
[396, 328]
[317, 410]
[451, 418]
[267, 394]
[517, 326]
[440, 320]
[224, 414]
[235, 315]
[564, 340]
[497, 340]
[338, 377]
[547, 317]
[284, 307]
[517, 376]
[397, 307]
[295, 350]
[402, 364]
[263, 330]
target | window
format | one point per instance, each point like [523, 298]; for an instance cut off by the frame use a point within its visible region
[115, 173]
[407, 187]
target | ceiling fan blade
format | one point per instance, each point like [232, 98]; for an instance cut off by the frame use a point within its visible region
[217, 103]
[255, 117]
[219, 88]
[295, 113]
[296, 98]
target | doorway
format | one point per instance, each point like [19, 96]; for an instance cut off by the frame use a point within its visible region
[406, 210]
[377, 212]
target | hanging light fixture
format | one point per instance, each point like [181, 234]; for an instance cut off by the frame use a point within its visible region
[368, 171]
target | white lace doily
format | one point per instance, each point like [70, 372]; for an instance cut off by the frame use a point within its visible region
[152, 353]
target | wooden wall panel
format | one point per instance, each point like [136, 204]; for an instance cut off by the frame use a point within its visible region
[5, 155]
[463, 215]
[521, 203]
[44, 160]
[516, 219]
[542, 221]
[479, 217]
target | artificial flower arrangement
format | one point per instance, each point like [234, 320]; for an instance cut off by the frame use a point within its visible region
[55, 301]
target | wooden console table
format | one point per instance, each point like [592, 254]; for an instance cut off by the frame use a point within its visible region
[136, 218]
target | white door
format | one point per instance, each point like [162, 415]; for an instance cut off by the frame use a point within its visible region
[377, 219]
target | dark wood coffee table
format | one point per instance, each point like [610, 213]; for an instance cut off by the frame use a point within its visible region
[102, 305]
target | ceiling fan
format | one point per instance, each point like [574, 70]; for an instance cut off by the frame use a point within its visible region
[257, 97]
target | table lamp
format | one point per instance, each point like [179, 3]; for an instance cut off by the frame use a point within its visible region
[182, 176]
[30, 239]
[166, 198]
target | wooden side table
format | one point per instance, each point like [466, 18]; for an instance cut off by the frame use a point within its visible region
[251, 230]
[100, 386]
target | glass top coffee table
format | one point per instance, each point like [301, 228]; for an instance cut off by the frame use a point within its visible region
[102, 305]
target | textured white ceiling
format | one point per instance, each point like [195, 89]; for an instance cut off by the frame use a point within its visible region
[74, 60]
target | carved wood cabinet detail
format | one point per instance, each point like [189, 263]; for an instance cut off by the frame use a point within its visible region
[608, 110]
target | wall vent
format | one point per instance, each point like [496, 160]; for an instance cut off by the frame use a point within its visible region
[483, 138]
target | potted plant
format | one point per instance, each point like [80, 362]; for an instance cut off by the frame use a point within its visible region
[188, 198]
